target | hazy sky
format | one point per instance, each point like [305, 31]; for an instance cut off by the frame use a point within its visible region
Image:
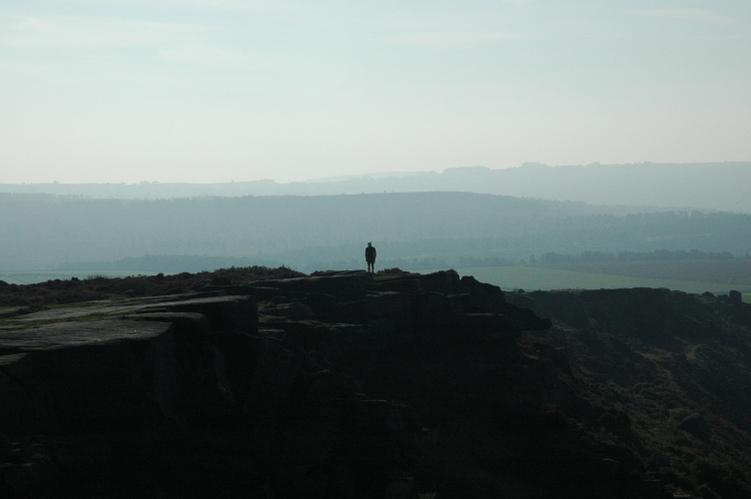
[234, 90]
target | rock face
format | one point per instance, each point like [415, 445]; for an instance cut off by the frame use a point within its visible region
[674, 368]
[336, 385]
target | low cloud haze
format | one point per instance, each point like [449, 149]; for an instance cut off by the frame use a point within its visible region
[236, 91]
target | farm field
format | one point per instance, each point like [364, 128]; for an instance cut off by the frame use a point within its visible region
[534, 278]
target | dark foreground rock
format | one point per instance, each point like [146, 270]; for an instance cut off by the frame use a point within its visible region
[336, 385]
[669, 374]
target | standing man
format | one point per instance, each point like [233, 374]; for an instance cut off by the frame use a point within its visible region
[370, 256]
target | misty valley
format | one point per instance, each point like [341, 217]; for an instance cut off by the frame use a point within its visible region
[46, 236]
[359, 250]
[235, 346]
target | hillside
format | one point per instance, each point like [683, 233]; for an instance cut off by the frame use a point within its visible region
[674, 366]
[310, 233]
[707, 186]
[264, 382]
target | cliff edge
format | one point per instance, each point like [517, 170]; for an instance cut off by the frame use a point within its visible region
[340, 385]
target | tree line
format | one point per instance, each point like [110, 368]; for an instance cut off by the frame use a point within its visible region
[313, 232]
[586, 257]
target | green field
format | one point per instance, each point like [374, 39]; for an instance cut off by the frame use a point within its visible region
[534, 278]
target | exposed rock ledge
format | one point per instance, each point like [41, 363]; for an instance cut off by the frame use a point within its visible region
[334, 385]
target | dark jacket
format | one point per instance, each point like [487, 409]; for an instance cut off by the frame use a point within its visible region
[370, 254]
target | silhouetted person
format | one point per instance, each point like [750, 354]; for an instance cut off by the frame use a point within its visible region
[370, 256]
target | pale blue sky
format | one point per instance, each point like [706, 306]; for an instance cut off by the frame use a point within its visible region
[232, 90]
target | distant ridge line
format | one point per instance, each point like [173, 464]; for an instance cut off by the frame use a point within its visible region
[718, 186]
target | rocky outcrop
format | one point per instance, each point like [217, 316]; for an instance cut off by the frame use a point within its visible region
[673, 366]
[336, 385]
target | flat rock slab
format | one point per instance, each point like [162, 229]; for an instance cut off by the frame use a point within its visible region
[225, 312]
[75, 334]
[76, 313]
[112, 308]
